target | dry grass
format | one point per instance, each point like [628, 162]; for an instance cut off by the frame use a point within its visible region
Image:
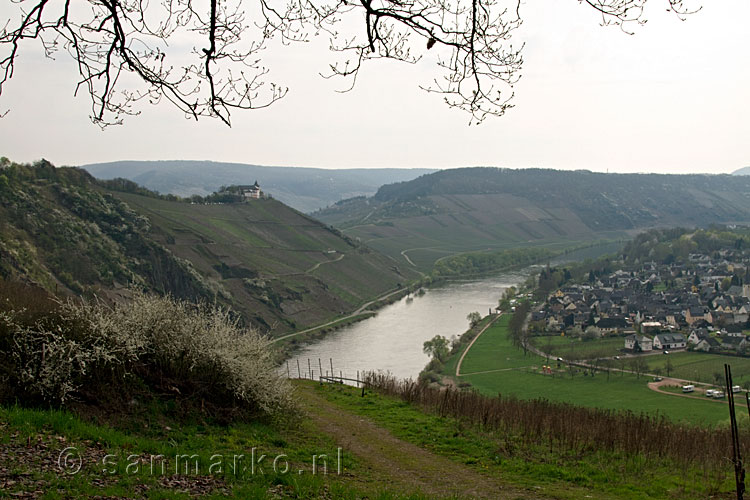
[568, 428]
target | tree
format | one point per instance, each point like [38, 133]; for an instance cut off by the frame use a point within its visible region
[437, 348]
[474, 318]
[592, 333]
[519, 332]
[668, 367]
[638, 365]
[128, 51]
[508, 295]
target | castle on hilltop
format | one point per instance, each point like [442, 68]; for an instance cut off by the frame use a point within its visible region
[252, 192]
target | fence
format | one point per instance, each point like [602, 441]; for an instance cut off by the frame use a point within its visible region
[329, 377]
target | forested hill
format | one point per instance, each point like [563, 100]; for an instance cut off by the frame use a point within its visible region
[477, 208]
[68, 233]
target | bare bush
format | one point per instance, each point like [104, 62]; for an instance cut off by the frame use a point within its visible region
[569, 428]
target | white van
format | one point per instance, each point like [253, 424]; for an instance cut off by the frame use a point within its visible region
[710, 393]
[718, 394]
[736, 388]
[688, 388]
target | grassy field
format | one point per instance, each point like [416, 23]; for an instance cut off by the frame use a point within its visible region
[573, 348]
[494, 366]
[702, 367]
[162, 458]
[538, 466]
[281, 269]
[124, 458]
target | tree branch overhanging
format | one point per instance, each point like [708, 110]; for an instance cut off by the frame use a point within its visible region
[128, 51]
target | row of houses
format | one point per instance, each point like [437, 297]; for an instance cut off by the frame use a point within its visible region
[669, 306]
[662, 341]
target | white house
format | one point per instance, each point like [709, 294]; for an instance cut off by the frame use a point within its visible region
[669, 341]
[638, 343]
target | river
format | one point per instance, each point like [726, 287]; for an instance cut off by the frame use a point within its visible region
[392, 340]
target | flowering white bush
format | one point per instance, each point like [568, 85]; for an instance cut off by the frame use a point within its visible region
[148, 336]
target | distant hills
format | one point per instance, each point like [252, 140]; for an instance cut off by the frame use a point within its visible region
[742, 171]
[280, 269]
[306, 189]
[458, 210]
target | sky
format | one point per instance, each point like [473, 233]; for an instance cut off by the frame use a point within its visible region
[672, 98]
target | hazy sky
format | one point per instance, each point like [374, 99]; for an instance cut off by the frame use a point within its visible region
[672, 98]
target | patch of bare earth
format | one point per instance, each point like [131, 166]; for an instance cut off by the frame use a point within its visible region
[699, 393]
[394, 464]
[32, 466]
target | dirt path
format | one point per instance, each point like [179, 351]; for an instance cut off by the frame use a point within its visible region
[402, 466]
[316, 266]
[403, 254]
[461, 359]
[657, 387]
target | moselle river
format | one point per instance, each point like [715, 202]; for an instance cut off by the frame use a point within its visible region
[392, 340]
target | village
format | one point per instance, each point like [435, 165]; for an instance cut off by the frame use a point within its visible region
[702, 304]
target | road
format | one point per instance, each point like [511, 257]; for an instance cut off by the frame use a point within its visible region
[349, 316]
[461, 359]
[313, 268]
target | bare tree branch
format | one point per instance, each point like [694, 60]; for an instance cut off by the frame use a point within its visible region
[128, 51]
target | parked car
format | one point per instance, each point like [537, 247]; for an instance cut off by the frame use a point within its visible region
[736, 388]
[658, 379]
[688, 388]
[718, 394]
[710, 393]
[666, 352]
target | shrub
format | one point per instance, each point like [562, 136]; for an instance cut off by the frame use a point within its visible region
[198, 349]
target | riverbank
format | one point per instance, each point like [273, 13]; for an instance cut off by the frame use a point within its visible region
[291, 344]
[393, 339]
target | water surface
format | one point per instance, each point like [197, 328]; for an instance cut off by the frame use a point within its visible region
[392, 340]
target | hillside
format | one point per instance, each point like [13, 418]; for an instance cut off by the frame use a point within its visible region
[58, 231]
[742, 171]
[479, 208]
[305, 189]
[279, 268]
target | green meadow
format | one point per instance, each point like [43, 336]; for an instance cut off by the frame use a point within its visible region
[493, 365]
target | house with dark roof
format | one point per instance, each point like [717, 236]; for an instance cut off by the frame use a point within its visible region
[609, 325]
[708, 344]
[638, 343]
[251, 192]
[669, 341]
[731, 342]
